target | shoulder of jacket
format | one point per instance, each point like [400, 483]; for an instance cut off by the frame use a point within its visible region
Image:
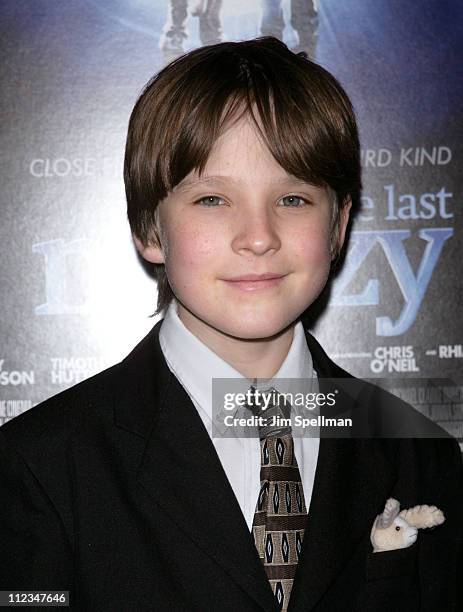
[56, 417]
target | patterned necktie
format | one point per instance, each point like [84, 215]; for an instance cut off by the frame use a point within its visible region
[280, 516]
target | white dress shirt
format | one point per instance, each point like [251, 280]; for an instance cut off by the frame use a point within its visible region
[195, 365]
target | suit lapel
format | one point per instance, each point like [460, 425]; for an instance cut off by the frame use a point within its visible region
[181, 471]
[352, 481]
[183, 475]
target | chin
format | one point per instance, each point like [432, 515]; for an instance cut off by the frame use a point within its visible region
[253, 330]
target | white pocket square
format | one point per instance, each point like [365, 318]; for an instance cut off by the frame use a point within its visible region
[394, 529]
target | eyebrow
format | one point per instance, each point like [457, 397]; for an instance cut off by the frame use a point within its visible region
[190, 183]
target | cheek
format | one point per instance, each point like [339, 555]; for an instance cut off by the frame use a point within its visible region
[311, 246]
[189, 251]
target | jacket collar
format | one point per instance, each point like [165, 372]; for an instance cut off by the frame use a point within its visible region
[143, 379]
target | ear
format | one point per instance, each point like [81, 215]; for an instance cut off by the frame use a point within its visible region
[152, 252]
[339, 232]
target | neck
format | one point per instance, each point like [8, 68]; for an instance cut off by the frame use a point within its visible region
[253, 358]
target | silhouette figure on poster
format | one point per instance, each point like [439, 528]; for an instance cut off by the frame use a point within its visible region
[210, 26]
[304, 20]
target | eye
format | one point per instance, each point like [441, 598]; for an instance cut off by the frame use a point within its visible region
[294, 201]
[210, 201]
[397, 528]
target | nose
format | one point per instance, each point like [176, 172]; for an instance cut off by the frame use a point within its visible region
[256, 232]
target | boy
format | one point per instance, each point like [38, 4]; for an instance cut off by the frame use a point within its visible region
[242, 166]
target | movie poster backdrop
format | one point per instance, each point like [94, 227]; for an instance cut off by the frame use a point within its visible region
[75, 297]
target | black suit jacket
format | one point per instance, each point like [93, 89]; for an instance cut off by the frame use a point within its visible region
[113, 490]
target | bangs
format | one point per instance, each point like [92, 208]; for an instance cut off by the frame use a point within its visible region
[294, 127]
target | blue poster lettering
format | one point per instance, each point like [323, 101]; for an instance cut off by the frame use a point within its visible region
[413, 287]
[56, 254]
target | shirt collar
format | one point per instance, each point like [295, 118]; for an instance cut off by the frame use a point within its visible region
[195, 364]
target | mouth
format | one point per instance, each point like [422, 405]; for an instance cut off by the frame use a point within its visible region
[255, 282]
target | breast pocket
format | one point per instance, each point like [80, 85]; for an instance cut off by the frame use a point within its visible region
[391, 582]
[392, 564]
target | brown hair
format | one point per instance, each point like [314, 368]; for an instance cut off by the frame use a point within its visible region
[301, 111]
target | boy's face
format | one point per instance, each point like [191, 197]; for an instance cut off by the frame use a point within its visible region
[245, 216]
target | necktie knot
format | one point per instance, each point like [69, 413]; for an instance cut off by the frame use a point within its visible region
[273, 412]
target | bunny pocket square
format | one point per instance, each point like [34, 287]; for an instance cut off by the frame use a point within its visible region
[394, 529]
